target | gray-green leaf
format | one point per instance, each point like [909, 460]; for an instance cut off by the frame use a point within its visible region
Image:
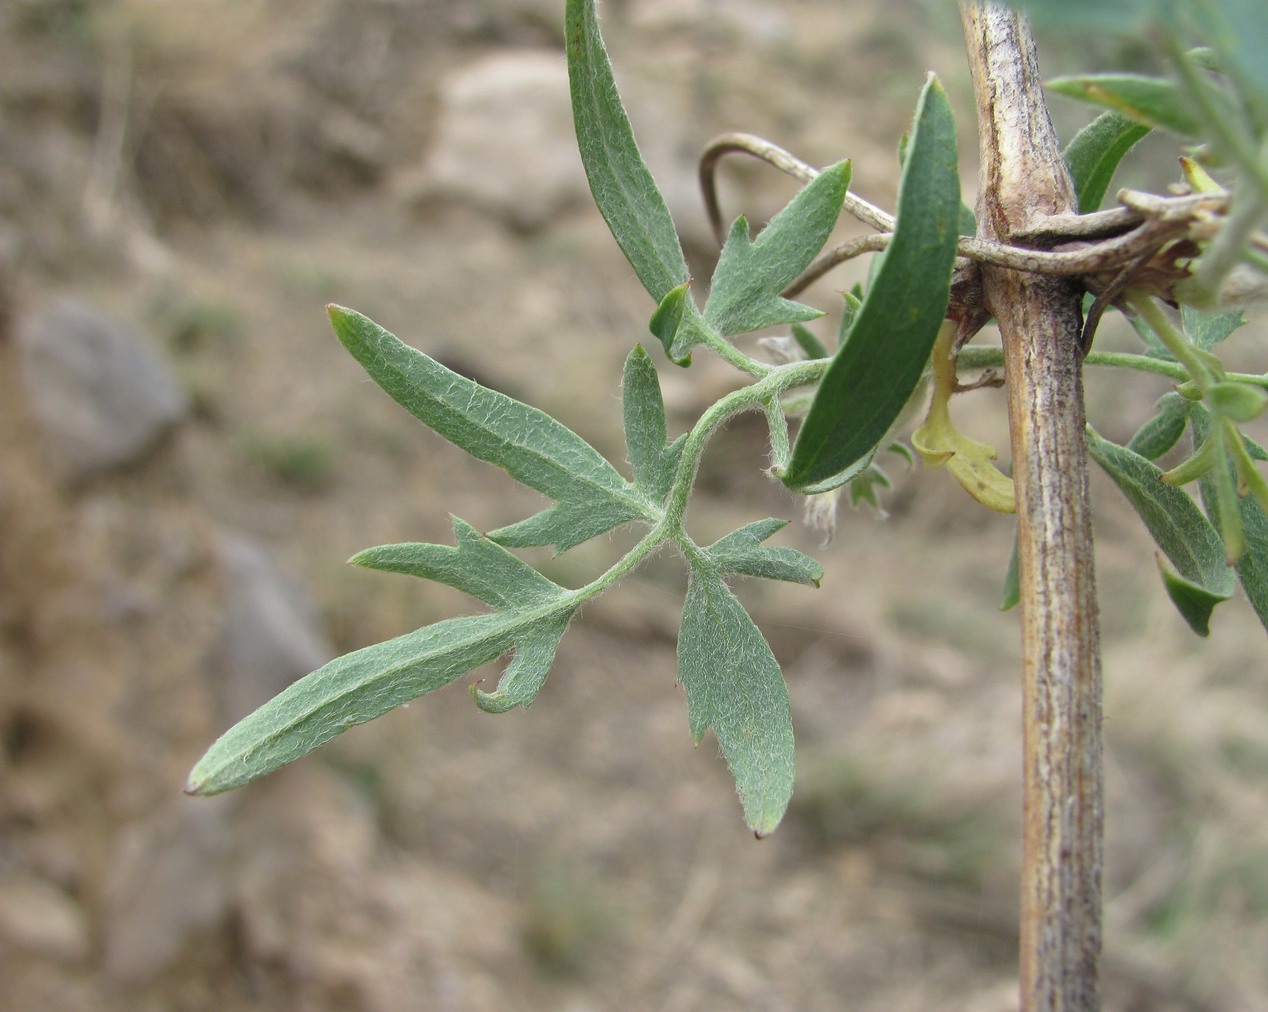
[476, 566]
[653, 460]
[622, 185]
[750, 274]
[734, 685]
[528, 444]
[742, 552]
[360, 686]
[1185, 536]
[1161, 432]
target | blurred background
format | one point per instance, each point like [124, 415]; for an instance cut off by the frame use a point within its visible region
[188, 457]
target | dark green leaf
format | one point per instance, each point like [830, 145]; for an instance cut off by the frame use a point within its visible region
[1011, 596]
[875, 371]
[1152, 101]
[667, 320]
[849, 312]
[750, 274]
[620, 181]
[1185, 536]
[531, 446]
[1095, 152]
[742, 552]
[1164, 429]
[734, 685]
[476, 566]
[1193, 601]
[808, 343]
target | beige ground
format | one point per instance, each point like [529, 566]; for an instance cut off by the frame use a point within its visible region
[580, 855]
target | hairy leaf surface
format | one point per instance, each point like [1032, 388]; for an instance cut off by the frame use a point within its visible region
[362, 685]
[622, 185]
[1178, 527]
[527, 443]
[750, 274]
[1161, 432]
[734, 685]
[653, 459]
[476, 566]
[743, 553]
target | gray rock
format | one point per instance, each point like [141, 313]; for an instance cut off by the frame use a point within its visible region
[39, 917]
[166, 882]
[98, 391]
[506, 144]
[271, 636]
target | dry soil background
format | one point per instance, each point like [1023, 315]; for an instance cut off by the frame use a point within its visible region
[210, 174]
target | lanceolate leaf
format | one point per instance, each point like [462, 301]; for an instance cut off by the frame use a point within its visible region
[1185, 536]
[531, 446]
[653, 460]
[742, 552]
[1095, 152]
[360, 686]
[875, 371]
[1151, 101]
[734, 685]
[620, 181]
[751, 273]
[476, 566]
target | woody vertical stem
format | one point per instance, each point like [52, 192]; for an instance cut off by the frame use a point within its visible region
[1023, 180]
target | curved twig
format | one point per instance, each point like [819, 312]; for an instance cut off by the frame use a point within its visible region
[786, 162]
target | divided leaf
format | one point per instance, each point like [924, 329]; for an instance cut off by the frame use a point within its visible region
[1206, 329]
[528, 444]
[362, 685]
[368, 683]
[874, 372]
[1095, 152]
[476, 566]
[750, 274]
[1185, 536]
[742, 552]
[734, 685]
[622, 185]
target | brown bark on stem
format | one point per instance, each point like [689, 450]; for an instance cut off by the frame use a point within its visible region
[1024, 180]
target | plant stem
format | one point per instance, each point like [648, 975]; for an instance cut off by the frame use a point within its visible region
[975, 356]
[1024, 181]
